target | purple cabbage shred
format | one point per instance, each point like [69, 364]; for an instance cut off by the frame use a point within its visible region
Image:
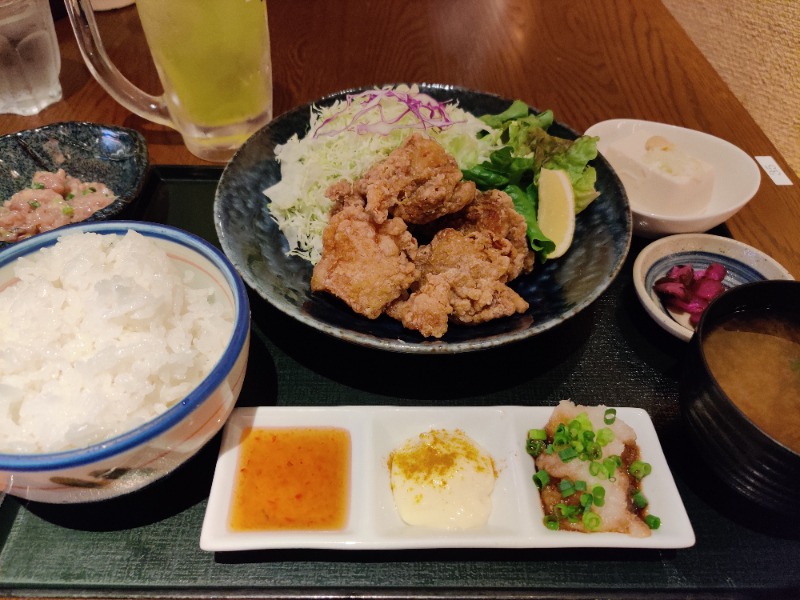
[427, 112]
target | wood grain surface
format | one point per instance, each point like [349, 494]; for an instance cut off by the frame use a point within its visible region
[588, 61]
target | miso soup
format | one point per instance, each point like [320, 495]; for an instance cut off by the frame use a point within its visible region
[755, 358]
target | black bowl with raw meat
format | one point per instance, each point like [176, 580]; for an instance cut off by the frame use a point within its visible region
[115, 156]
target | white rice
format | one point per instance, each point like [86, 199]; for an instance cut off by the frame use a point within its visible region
[101, 334]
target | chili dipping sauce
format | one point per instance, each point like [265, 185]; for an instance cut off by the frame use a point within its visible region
[292, 479]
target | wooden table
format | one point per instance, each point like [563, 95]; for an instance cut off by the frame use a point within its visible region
[588, 61]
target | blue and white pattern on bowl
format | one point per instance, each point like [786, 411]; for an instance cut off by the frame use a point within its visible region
[743, 264]
[556, 291]
[138, 457]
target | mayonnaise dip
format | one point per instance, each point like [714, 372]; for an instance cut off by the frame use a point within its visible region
[442, 479]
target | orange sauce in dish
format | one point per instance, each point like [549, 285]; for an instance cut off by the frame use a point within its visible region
[292, 478]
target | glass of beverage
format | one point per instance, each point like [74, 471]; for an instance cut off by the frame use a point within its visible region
[213, 60]
[29, 58]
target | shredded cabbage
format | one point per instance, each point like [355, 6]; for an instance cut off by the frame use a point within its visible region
[350, 136]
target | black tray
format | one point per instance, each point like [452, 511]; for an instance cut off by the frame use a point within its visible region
[147, 544]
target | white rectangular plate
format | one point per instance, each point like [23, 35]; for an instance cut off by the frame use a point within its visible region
[516, 520]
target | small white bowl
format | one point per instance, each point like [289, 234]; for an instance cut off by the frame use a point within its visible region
[135, 459]
[743, 263]
[736, 180]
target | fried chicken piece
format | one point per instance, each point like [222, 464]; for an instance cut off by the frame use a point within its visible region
[428, 309]
[342, 194]
[418, 182]
[364, 264]
[461, 279]
[494, 211]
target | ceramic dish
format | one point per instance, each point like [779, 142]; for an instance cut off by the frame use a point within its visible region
[137, 457]
[114, 156]
[743, 264]
[556, 291]
[516, 518]
[755, 456]
[736, 176]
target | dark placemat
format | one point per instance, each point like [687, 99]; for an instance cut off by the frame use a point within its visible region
[146, 544]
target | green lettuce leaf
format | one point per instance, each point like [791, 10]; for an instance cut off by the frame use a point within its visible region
[525, 203]
[574, 160]
[525, 147]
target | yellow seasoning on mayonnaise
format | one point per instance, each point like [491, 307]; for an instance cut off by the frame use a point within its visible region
[442, 479]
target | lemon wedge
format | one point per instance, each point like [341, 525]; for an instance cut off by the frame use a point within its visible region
[556, 213]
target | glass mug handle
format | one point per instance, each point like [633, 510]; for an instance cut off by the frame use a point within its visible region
[147, 106]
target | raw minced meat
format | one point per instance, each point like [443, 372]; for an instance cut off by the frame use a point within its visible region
[52, 200]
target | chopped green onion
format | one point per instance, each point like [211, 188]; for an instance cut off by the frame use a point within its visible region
[599, 495]
[561, 439]
[584, 421]
[580, 485]
[591, 520]
[566, 487]
[567, 454]
[537, 434]
[534, 447]
[610, 416]
[67, 210]
[586, 500]
[605, 436]
[593, 451]
[610, 465]
[551, 522]
[69, 197]
[37, 186]
[541, 478]
[34, 204]
[639, 500]
[640, 469]
[652, 521]
[565, 511]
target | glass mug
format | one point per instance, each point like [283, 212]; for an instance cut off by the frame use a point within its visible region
[213, 60]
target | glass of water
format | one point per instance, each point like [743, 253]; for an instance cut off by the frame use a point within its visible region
[29, 58]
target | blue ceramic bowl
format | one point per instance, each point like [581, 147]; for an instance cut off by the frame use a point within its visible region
[114, 156]
[132, 460]
[743, 264]
[556, 291]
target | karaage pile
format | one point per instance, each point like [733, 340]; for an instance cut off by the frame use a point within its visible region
[374, 260]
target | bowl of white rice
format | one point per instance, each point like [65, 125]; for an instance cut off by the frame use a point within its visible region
[123, 349]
